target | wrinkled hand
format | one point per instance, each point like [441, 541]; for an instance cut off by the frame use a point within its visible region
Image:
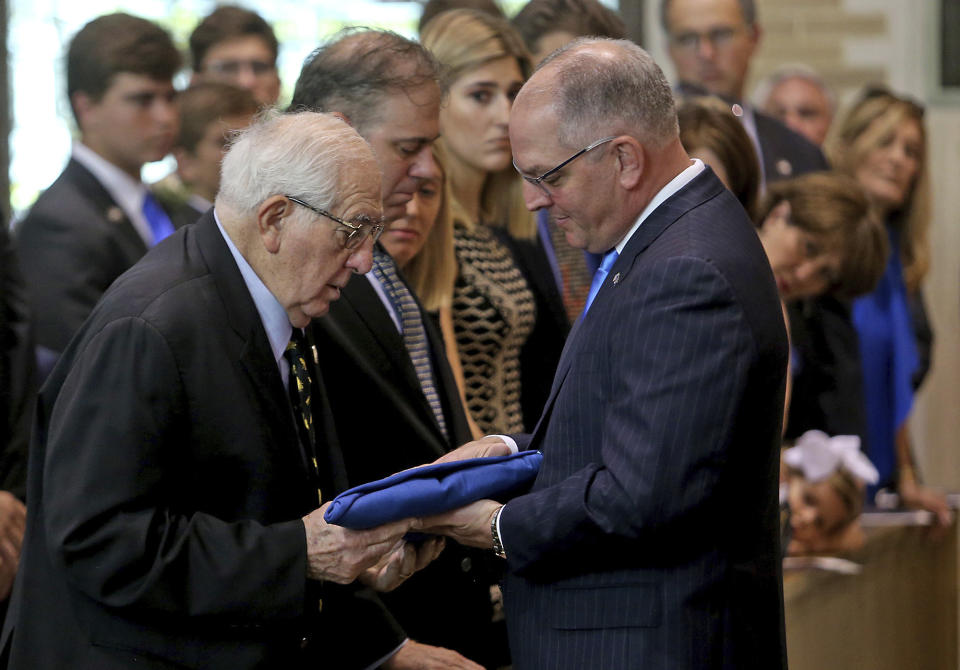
[482, 448]
[915, 496]
[13, 520]
[340, 555]
[416, 656]
[468, 525]
[397, 566]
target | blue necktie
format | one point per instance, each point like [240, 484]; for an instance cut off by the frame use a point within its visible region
[608, 260]
[160, 224]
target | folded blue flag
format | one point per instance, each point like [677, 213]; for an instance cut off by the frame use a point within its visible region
[433, 489]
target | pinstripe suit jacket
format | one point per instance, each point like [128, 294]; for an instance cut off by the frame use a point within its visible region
[649, 539]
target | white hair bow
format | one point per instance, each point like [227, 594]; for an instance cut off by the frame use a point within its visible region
[817, 455]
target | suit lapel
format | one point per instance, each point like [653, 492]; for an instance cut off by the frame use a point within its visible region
[98, 196]
[249, 345]
[703, 187]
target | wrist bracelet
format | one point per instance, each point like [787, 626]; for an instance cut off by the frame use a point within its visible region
[497, 545]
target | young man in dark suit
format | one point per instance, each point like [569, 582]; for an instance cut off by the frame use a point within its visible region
[387, 88]
[184, 453]
[97, 219]
[650, 537]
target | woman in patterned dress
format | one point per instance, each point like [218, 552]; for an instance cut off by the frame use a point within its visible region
[493, 306]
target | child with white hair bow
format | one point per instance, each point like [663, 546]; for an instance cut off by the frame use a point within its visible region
[826, 479]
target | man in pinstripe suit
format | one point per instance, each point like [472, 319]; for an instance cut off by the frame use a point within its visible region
[649, 539]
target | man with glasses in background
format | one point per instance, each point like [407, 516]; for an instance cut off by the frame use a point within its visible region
[711, 43]
[650, 536]
[236, 46]
[184, 450]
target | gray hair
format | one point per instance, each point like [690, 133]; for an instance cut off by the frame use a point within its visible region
[747, 7]
[761, 94]
[628, 94]
[301, 154]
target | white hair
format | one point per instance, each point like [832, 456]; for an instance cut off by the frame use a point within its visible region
[761, 94]
[301, 154]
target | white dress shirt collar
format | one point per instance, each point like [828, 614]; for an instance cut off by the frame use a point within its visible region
[674, 185]
[272, 314]
[126, 191]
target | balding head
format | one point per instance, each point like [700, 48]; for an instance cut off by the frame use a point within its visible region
[602, 86]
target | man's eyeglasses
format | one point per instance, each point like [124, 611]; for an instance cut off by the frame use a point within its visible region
[538, 181]
[354, 233]
[719, 38]
[231, 68]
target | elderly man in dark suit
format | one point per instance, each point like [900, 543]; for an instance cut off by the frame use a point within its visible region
[97, 219]
[387, 87]
[649, 538]
[183, 443]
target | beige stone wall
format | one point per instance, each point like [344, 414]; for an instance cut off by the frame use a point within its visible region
[852, 42]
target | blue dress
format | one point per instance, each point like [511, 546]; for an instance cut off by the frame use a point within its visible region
[888, 352]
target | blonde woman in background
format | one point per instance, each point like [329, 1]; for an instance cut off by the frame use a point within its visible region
[882, 143]
[493, 306]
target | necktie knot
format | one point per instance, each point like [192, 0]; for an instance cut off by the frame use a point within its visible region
[609, 259]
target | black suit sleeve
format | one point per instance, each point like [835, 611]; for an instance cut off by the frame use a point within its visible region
[17, 390]
[111, 466]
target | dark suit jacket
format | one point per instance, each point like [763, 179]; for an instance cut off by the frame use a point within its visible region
[786, 153]
[385, 425]
[73, 243]
[17, 386]
[650, 537]
[167, 488]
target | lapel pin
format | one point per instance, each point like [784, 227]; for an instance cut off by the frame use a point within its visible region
[115, 214]
[616, 278]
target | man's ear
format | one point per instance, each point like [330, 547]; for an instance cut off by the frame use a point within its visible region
[82, 104]
[270, 221]
[631, 161]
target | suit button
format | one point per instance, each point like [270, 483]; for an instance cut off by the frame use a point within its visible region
[304, 641]
[466, 564]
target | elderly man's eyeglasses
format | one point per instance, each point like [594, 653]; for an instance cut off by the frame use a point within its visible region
[354, 234]
[539, 181]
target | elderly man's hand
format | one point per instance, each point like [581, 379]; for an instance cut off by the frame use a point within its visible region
[397, 566]
[469, 525]
[482, 448]
[416, 656]
[13, 520]
[341, 555]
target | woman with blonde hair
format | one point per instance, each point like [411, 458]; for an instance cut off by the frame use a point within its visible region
[493, 306]
[882, 143]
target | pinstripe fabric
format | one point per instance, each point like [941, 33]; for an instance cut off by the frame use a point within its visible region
[414, 335]
[649, 539]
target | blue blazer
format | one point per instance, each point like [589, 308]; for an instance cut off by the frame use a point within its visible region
[650, 537]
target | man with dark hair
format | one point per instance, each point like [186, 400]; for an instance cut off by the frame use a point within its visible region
[210, 113]
[711, 43]
[183, 449]
[236, 46]
[97, 219]
[387, 87]
[547, 25]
